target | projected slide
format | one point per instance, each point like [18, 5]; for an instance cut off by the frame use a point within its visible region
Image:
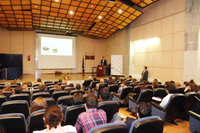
[56, 46]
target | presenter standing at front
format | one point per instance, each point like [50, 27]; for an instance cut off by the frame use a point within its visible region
[103, 61]
[144, 75]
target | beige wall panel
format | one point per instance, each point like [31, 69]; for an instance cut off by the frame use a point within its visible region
[159, 12]
[180, 5]
[149, 48]
[157, 73]
[29, 49]
[158, 47]
[140, 32]
[139, 48]
[166, 42]
[178, 59]
[151, 72]
[148, 30]
[150, 13]
[134, 34]
[169, 7]
[167, 24]
[5, 41]
[166, 74]
[148, 59]
[162, 59]
[157, 28]
[177, 75]
[138, 69]
[179, 41]
[17, 42]
[179, 22]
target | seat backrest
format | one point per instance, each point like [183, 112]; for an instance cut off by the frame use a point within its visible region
[161, 86]
[63, 86]
[94, 83]
[69, 89]
[58, 94]
[113, 88]
[36, 91]
[49, 87]
[159, 92]
[47, 82]
[179, 90]
[40, 94]
[51, 91]
[2, 100]
[13, 123]
[136, 89]
[50, 101]
[27, 92]
[125, 92]
[149, 87]
[152, 124]
[65, 100]
[7, 94]
[13, 86]
[190, 100]
[20, 97]
[77, 91]
[119, 127]
[110, 107]
[145, 96]
[36, 85]
[17, 106]
[36, 121]
[1, 87]
[72, 113]
[87, 83]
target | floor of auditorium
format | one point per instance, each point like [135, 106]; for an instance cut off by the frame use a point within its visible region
[181, 127]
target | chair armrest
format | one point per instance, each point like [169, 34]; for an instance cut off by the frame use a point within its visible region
[194, 115]
[115, 94]
[158, 106]
[131, 98]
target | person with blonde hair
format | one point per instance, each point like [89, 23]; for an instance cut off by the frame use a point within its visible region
[38, 103]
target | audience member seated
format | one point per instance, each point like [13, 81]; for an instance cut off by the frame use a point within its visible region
[92, 117]
[111, 81]
[64, 83]
[104, 94]
[143, 86]
[18, 90]
[192, 88]
[155, 84]
[101, 81]
[143, 110]
[121, 88]
[170, 86]
[71, 85]
[13, 83]
[9, 89]
[42, 88]
[134, 80]
[78, 99]
[177, 84]
[24, 87]
[129, 78]
[78, 87]
[39, 80]
[38, 103]
[58, 88]
[53, 118]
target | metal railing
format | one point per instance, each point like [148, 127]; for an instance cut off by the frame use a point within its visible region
[5, 72]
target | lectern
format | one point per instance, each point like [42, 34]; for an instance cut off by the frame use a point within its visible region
[101, 71]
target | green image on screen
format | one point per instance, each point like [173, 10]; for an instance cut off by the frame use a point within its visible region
[54, 50]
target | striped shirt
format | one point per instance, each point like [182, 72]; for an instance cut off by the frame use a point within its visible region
[89, 119]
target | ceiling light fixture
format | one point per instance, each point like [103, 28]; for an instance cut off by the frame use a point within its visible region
[120, 11]
[112, 1]
[100, 17]
[71, 12]
[35, 6]
[19, 19]
[92, 6]
[57, 0]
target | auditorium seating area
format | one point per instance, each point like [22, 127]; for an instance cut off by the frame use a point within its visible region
[15, 108]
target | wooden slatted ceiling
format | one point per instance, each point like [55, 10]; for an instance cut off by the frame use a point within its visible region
[143, 3]
[73, 16]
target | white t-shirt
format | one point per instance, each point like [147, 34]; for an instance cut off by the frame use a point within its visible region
[64, 129]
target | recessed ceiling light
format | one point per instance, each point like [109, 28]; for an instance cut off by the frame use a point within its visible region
[92, 6]
[71, 12]
[100, 17]
[19, 19]
[57, 0]
[35, 6]
[120, 11]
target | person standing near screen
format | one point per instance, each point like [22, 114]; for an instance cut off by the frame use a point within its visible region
[144, 75]
[103, 61]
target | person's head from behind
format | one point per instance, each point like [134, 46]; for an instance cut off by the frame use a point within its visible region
[91, 101]
[194, 87]
[53, 117]
[134, 80]
[78, 99]
[191, 81]
[7, 85]
[155, 83]
[145, 67]
[110, 78]
[64, 83]
[60, 80]
[142, 86]
[24, 87]
[94, 78]
[39, 80]
[177, 84]
[78, 86]
[13, 83]
[101, 80]
[42, 87]
[186, 83]
[58, 88]
[143, 110]
[38, 103]
[129, 77]
[90, 78]
[71, 85]
[18, 90]
[104, 94]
